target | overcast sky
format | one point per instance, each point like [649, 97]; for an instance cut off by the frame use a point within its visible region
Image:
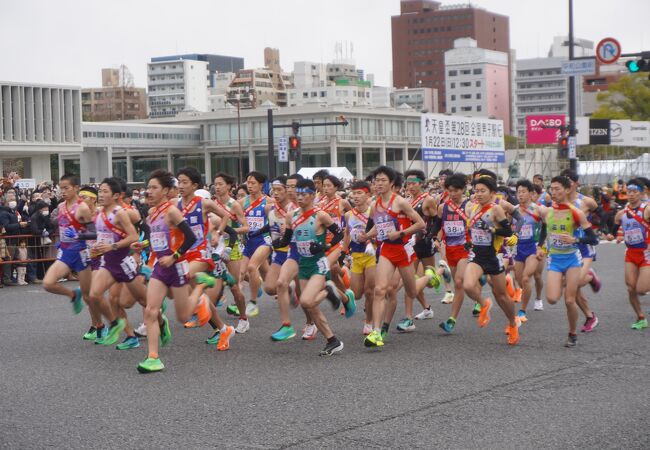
[69, 41]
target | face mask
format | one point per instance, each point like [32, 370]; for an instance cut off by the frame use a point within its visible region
[136, 198]
[142, 200]
[47, 201]
[45, 213]
[12, 204]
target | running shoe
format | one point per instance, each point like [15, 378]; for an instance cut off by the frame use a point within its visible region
[193, 323]
[539, 305]
[477, 309]
[406, 326]
[229, 280]
[101, 335]
[350, 306]
[595, 282]
[150, 365]
[146, 271]
[91, 335]
[224, 339]
[129, 343]
[640, 324]
[163, 306]
[165, 331]
[448, 298]
[260, 291]
[232, 310]
[204, 278]
[374, 339]
[521, 315]
[285, 333]
[77, 301]
[510, 286]
[448, 325]
[383, 333]
[367, 328]
[202, 311]
[332, 295]
[294, 301]
[513, 335]
[309, 332]
[114, 332]
[212, 340]
[425, 314]
[434, 279]
[483, 280]
[590, 324]
[331, 348]
[252, 310]
[571, 341]
[141, 331]
[517, 297]
[446, 271]
[242, 326]
[484, 313]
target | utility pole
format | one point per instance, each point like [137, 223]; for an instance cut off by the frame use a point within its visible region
[573, 162]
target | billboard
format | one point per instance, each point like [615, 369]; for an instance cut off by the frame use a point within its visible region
[599, 131]
[544, 129]
[462, 139]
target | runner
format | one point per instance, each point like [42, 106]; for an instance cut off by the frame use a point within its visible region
[318, 178]
[539, 279]
[488, 226]
[634, 219]
[563, 220]
[306, 227]
[531, 234]
[170, 270]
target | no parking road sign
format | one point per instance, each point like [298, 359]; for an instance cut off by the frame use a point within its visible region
[608, 51]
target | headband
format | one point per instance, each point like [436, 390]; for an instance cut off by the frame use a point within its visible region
[88, 194]
[362, 189]
[278, 183]
[414, 180]
[634, 187]
[305, 190]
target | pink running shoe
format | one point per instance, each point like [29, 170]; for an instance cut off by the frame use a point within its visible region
[595, 282]
[590, 324]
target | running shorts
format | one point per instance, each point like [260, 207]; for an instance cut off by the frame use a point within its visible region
[587, 251]
[122, 271]
[198, 255]
[491, 265]
[279, 257]
[454, 253]
[561, 262]
[176, 275]
[424, 248]
[310, 266]
[524, 250]
[362, 261]
[401, 255]
[253, 244]
[640, 257]
[75, 259]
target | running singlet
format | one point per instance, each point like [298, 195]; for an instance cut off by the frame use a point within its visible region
[195, 220]
[454, 223]
[67, 219]
[557, 226]
[304, 232]
[160, 237]
[635, 228]
[357, 223]
[530, 225]
[388, 221]
[481, 226]
[277, 221]
[254, 213]
[418, 205]
[333, 208]
[109, 233]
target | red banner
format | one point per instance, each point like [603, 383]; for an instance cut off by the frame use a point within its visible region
[544, 129]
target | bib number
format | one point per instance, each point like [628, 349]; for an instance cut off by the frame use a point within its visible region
[129, 267]
[526, 232]
[383, 229]
[303, 248]
[104, 237]
[633, 236]
[454, 228]
[198, 232]
[159, 241]
[481, 237]
[255, 223]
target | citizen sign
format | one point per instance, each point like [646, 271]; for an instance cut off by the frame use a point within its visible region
[598, 132]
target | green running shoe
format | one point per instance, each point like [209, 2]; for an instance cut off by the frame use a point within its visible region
[204, 278]
[91, 335]
[285, 333]
[640, 324]
[114, 332]
[374, 339]
[101, 335]
[477, 309]
[165, 331]
[232, 310]
[350, 306]
[406, 326]
[129, 343]
[77, 301]
[150, 365]
[435, 280]
[163, 307]
[214, 339]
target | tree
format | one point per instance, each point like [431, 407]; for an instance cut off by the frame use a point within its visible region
[627, 98]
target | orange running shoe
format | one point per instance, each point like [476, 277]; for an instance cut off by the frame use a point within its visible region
[517, 296]
[224, 339]
[510, 287]
[513, 335]
[203, 313]
[484, 315]
[345, 277]
[193, 323]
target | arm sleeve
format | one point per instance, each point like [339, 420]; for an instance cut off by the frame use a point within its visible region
[436, 225]
[542, 235]
[516, 215]
[370, 224]
[589, 238]
[90, 234]
[285, 239]
[189, 240]
[615, 228]
[265, 229]
[337, 232]
[505, 229]
[232, 236]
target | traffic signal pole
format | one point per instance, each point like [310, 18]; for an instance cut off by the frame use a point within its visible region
[573, 162]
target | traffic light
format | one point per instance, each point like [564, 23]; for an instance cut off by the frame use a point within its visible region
[294, 148]
[638, 65]
[563, 145]
[295, 126]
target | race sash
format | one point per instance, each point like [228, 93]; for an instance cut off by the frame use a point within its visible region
[158, 211]
[71, 218]
[190, 205]
[253, 205]
[306, 215]
[121, 233]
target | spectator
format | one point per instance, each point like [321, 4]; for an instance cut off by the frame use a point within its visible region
[14, 224]
[43, 229]
[20, 256]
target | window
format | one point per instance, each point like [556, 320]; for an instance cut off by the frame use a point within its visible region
[478, 96]
[323, 93]
[453, 97]
[465, 72]
[466, 108]
[453, 109]
[466, 84]
[453, 85]
[305, 95]
[314, 94]
[479, 108]
[478, 84]
[453, 73]
[466, 96]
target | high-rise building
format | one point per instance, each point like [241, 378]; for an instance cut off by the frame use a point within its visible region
[216, 63]
[477, 82]
[175, 86]
[117, 99]
[425, 29]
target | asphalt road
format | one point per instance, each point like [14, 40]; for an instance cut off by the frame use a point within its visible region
[424, 389]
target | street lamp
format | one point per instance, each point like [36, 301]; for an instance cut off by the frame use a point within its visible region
[238, 99]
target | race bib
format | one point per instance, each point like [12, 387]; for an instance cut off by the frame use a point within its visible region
[220, 269]
[198, 232]
[454, 228]
[383, 229]
[129, 266]
[255, 223]
[303, 248]
[526, 232]
[633, 236]
[323, 266]
[104, 237]
[556, 242]
[159, 241]
[85, 256]
[481, 237]
[63, 237]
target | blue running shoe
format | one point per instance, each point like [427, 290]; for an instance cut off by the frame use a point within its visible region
[350, 306]
[129, 343]
[483, 280]
[77, 302]
[448, 325]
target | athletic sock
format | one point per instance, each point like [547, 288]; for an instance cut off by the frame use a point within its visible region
[332, 339]
[243, 317]
[223, 330]
[385, 327]
[212, 324]
[114, 323]
[286, 324]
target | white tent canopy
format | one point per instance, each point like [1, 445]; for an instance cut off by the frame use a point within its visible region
[340, 172]
[608, 171]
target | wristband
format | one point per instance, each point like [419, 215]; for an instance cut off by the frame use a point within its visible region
[176, 255]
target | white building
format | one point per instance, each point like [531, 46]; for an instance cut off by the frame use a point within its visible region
[38, 125]
[176, 86]
[341, 93]
[477, 81]
[420, 99]
[381, 96]
[560, 47]
[309, 74]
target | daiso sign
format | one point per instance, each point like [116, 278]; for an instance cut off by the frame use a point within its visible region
[544, 129]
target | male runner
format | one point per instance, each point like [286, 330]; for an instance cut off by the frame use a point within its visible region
[539, 280]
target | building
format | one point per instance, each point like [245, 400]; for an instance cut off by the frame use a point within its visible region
[216, 63]
[175, 86]
[341, 92]
[560, 47]
[309, 74]
[420, 99]
[115, 100]
[39, 124]
[477, 81]
[425, 30]
[592, 85]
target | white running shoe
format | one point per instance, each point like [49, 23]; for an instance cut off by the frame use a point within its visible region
[252, 309]
[539, 305]
[448, 298]
[425, 314]
[141, 330]
[242, 326]
[367, 328]
[309, 332]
